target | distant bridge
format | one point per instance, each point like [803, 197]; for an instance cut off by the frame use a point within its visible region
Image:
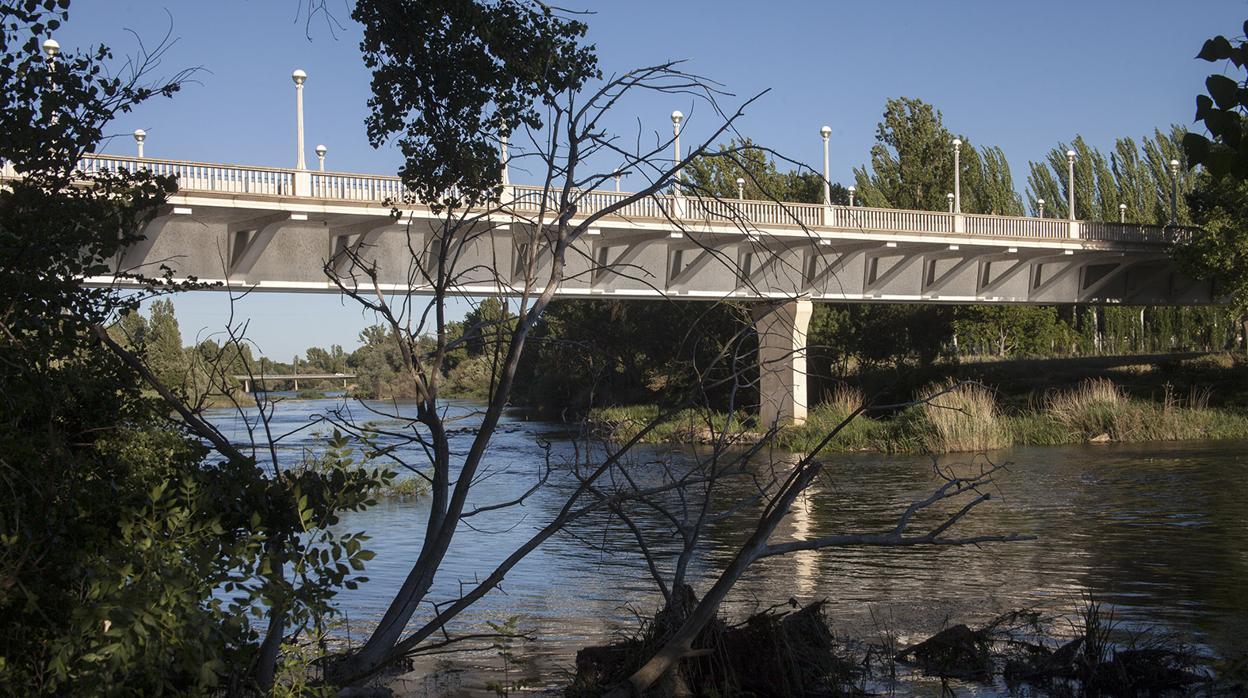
[249, 380]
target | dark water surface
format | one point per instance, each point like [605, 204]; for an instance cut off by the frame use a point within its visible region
[1157, 532]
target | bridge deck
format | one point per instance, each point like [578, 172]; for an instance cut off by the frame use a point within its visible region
[278, 229]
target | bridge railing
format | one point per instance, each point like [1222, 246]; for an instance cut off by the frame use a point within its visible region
[276, 181]
[198, 176]
[1016, 227]
[355, 187]
[1132, 232]
[881, 219]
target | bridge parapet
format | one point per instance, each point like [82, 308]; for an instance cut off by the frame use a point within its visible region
[382, 189]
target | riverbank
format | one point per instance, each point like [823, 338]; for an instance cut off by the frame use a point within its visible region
[952, 417]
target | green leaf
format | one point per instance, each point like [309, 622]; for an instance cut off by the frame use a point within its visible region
[1223, 90]
[1215, 49]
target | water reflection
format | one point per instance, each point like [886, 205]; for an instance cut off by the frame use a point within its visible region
[1157, 531]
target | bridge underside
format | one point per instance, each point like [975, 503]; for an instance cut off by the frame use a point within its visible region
[286, 244]
[287, 250]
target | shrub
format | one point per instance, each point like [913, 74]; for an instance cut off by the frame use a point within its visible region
[961, 417]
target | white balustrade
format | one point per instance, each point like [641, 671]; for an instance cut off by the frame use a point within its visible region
[1017, 227]
[235, 179]
[890, 220]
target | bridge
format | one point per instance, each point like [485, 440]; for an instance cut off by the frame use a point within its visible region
[248, 380]
[276, 229]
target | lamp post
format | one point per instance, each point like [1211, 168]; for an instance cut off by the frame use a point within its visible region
[1040, 205]
[826, 132]
[851, 195]
[1070, 183]
[52, 49]
[1122, 213]
[617, 181]
[957, 175]
[504, 159]
[676, 117]
[320, 157]
[1174, 192]
[949, 196]
[299, 77]
[139, 136]
[740, 188]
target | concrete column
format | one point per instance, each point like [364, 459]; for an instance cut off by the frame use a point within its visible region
[781, 331]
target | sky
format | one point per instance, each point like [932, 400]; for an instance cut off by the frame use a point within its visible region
[1021, 75]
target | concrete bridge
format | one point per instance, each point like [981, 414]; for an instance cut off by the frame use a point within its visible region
[249, 380]
[275, 229]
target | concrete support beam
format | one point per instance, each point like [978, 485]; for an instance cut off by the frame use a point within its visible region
[782, 387]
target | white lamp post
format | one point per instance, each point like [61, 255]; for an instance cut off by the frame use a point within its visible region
[949, 196]
[1040, 204]
[957, 175]
[851, 195]
[320, 157]
[52, 49]
[676, 117]
[740, 187]
[504, 159]
[1122, 213]
[299, 77]
[826, 132]
[1174, 192]
[1070, 183]
[617, 181]
[139, 136]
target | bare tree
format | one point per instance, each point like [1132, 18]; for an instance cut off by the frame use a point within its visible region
[548, 226]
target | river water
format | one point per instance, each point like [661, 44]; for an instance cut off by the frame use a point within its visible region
[1158, 533]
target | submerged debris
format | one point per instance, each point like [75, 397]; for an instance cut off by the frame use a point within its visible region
[789, 652]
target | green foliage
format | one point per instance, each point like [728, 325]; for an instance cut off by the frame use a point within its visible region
[716, 174]
[912, 166]
[1222, 112]
[1218, 251]
[615, 352]
[519, 54]
[118, 527]
[506, 635]
[1136, 175]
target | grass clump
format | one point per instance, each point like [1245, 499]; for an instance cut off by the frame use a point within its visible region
[861, 434]
[686, 426]
[959, 417]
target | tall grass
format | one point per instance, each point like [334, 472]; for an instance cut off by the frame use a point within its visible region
[961, 417]
[957, 417]
[1099, 409]
[861, 434]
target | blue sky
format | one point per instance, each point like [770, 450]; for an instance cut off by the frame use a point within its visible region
[1023, 76]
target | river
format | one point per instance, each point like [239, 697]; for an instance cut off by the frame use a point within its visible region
[1157, 532]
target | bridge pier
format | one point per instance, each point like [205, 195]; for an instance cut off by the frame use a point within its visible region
[782, 387]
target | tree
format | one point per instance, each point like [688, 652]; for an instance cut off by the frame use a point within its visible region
[125, 513]
[744, 159]
[548, 229]
[1138, 176]
[1218, 251]
[912, 166]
